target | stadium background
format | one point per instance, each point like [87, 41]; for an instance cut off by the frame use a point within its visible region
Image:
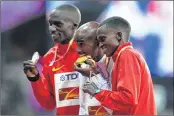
[24, 31]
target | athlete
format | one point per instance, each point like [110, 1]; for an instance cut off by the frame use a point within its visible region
[63, 22]
[132, 88]
[87, 45]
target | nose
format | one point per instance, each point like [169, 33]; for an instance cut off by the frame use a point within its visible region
[79, 51]
[52, 29]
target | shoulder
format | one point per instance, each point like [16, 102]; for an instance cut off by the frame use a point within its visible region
[47, 58]
[50, 51]
[131, 54]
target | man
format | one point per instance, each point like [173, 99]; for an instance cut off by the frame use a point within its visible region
[63, 22]
[132, 89]
[87, 45]
[85, 38]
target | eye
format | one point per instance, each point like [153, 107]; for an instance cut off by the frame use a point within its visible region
[81, 44]
[102, 38]
[58, 23]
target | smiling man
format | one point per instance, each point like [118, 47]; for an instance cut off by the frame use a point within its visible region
[132, 88]
[51, 94]
[87, 44]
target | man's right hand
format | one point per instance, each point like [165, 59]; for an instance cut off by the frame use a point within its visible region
[30, 69]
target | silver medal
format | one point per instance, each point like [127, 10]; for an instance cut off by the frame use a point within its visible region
[35, 57]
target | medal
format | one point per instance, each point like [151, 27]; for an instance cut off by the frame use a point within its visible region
[35, 57]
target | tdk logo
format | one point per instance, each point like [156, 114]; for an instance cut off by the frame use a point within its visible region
[71, 76]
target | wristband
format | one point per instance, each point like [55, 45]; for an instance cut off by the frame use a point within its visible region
[34, 79]
[97, 91]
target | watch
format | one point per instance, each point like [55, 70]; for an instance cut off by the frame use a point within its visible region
[34, 79]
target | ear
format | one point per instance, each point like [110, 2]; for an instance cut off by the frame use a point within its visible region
[75, 26]
[119, 36]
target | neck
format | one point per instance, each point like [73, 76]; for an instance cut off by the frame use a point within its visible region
[63, 42]
[121, 42]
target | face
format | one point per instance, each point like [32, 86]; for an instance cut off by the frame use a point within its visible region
[86, 44]
[61, 28]
[108, 40]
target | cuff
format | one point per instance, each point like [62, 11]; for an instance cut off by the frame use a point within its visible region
[33, 79]
[100, 95]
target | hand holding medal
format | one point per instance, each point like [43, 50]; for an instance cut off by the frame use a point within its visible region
[30, 69]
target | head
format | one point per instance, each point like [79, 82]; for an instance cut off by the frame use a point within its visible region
[85, 38]
[63, 22]
[112, 33]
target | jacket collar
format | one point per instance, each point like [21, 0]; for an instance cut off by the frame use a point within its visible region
[63, 47]
[122, 46]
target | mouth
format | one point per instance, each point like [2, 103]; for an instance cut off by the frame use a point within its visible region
[56, 36]
[104, 48]
[82, 54]
[85, 55]
[55, 33]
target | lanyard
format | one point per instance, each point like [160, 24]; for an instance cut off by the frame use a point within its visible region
[121, 52]
[55, 54]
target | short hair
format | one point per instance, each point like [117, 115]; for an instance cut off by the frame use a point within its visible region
[116, 22]
[87, 28]
[70, 11]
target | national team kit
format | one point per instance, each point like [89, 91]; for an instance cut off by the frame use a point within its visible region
[121, 83]
[66, 84]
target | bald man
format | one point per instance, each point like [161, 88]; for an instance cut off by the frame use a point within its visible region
[49, 82]
[85, 38]
[87, 45]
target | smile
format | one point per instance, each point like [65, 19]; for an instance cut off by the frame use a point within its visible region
[55, 34]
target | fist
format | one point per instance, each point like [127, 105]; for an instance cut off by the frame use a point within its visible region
[90, 88]
[30, 69]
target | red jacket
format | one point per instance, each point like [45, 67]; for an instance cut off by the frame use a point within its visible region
[132, 87]
[44, 88]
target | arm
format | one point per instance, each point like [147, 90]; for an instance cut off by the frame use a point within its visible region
[128, 85]
[43, 91]
[41, 86]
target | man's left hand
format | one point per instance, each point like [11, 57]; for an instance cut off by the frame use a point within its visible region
[90, 88]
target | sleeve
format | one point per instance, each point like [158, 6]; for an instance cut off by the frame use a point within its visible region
[43, 91]
[127, 84]
[100, 81]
